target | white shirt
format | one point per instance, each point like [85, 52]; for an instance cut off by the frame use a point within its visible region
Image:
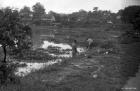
[90, 40]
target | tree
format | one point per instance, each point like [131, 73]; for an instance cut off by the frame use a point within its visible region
[12, 34]
[12, 31]
[56, 15]
[131, 15]
[95, 9]
[38, 12]
[25, 12]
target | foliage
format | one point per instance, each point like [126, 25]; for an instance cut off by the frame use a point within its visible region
[131, 15]
[10, 77]
[25, 12]
[81, 18]
[38, 12]
[93, 18]
[9, 26]
[13, 34]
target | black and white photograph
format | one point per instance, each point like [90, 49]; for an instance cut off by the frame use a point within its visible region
[69, 45]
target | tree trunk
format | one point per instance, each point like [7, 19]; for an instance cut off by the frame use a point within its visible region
[4, 50]
[4, 67]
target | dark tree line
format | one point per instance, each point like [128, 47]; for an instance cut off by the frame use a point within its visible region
[131, 60]
[131, 15]
[84, 18]
[81, 18]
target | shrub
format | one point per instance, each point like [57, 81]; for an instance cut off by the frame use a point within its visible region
[7, 73]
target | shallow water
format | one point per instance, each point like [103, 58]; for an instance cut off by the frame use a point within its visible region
[62, 47]
[32, 67]
[61, 55]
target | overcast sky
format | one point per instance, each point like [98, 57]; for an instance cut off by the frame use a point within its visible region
[68, 6]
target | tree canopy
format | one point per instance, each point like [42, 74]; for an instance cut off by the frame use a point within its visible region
[38, 12]
[12, 31]
[25, 12]
[131, 15]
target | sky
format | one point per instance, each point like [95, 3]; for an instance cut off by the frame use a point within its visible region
[69, 6]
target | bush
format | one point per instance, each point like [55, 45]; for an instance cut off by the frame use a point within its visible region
[7, 73]
[107, 44]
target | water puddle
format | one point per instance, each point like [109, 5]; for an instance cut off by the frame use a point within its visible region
[61, 47]
[32, 67]
[60, 55]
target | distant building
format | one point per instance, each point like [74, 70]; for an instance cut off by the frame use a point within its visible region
[45, 19]
[118, 17]
[110, 22]
[48, 18]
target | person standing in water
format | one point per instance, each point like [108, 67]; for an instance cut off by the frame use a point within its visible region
[74, 48]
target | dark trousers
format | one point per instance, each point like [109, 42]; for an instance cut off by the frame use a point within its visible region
[74, 51]
[90, 46]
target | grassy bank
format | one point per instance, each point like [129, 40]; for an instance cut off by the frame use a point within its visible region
[82, 72]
